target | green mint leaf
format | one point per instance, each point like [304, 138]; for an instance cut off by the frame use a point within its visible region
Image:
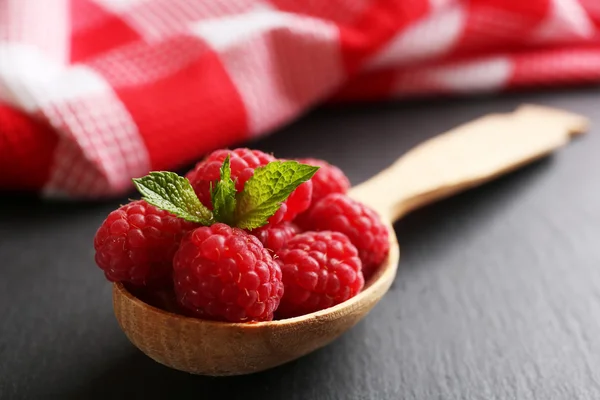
[223, 196]
[267, 189]
[171, 192]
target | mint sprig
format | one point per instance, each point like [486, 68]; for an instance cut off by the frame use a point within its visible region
[250, 209]
[223, 196]
[173, 193]
[265, 191]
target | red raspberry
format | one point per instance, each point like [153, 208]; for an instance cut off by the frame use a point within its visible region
[243, 162]
[320, 270]
[224, 273]
[275, 237]
[339, 213]
[296, 203]
[328, 179]
[136, 244]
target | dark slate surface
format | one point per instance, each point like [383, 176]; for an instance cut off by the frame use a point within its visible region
[497, 296]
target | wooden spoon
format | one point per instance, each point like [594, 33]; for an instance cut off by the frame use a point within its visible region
[459, 159]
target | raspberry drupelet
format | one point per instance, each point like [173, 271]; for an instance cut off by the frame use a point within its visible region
[320, 270]
[276, 237]
[340, 213]
[226, 274]
[243, 162]
[136, 244]
[328, 179]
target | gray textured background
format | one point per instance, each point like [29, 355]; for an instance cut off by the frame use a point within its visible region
[497, 296]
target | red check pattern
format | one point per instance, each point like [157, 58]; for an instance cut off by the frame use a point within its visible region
[95, 92]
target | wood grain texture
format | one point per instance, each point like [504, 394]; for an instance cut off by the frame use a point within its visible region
[497, 295]
[467, 156]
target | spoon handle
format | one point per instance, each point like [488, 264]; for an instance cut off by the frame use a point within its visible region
[467, 156]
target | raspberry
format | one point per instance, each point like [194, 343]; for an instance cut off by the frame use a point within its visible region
[136, 244]
[339, 213]
[297, 202]
[320, 270]
[243, 162]
[275, 237]
[328, 179]
[224, 273]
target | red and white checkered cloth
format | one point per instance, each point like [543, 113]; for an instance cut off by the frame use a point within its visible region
[95, 92]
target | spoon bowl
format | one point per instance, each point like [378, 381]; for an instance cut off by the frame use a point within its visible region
[221, 348]
[457, 160]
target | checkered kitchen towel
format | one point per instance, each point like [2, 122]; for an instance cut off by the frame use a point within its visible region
[95, 92]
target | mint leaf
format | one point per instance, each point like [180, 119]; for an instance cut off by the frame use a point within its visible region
[267, 189]
[223, 196]
[171, 192]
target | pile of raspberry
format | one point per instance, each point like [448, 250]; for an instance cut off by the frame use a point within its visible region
[316, 251]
